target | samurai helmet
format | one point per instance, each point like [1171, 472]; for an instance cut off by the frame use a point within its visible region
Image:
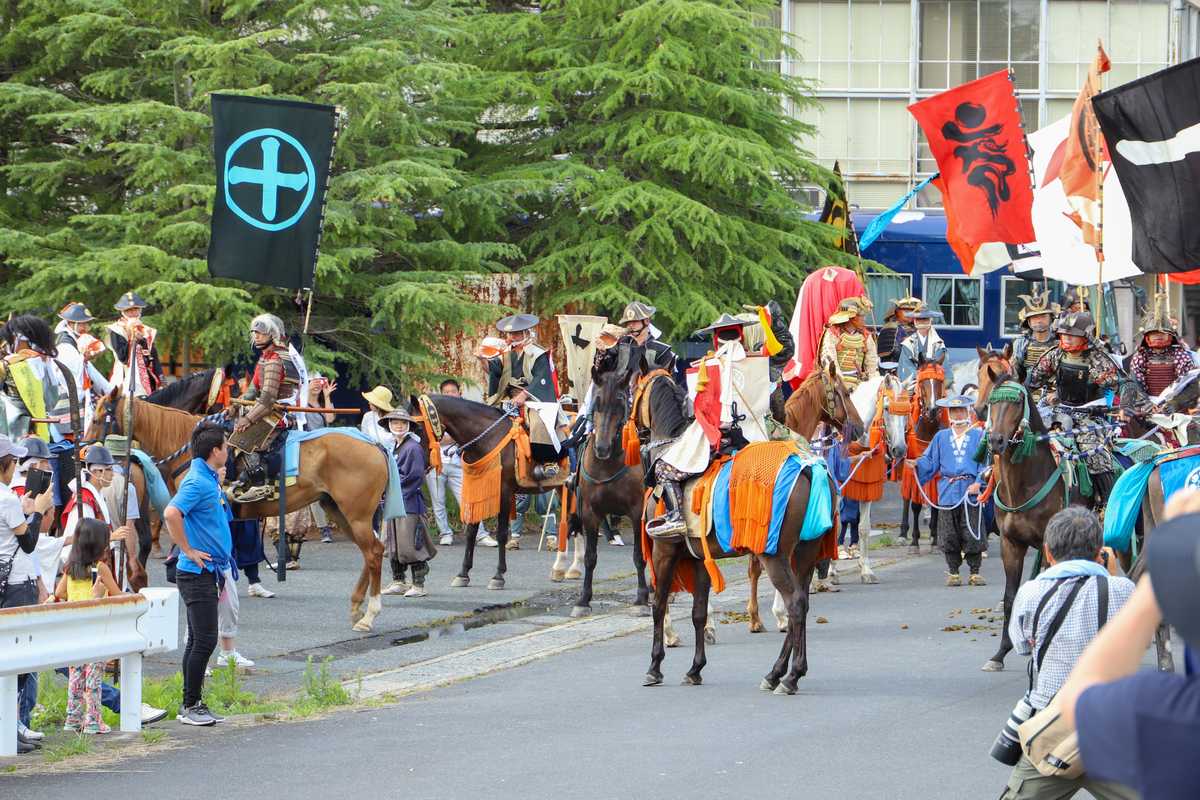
[1158, 319]
[637, 311]
[1036, 304]
[1075, 295]
[1077, 323]
[909, 305]
[270, 325]
[130, 300]
[75, 312]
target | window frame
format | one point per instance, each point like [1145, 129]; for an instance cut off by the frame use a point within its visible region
[879, 313]
[960, 277]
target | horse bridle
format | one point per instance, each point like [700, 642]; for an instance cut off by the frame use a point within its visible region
[1019, 388]
[829, 395]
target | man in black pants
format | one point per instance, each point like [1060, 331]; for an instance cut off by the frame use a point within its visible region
[197, 524]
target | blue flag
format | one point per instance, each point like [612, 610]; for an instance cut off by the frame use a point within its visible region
[883, 220]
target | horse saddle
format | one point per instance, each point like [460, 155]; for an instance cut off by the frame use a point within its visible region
[255, 438]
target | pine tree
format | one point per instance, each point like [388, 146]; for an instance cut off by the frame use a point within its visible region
[106, 147]
[642, 149]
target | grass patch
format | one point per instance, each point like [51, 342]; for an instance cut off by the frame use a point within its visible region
[882, 541]
[78, 745]
[152, 736]
[321, 690]
[225, 694]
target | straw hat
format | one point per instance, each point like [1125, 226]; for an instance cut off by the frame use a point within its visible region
[380, 397]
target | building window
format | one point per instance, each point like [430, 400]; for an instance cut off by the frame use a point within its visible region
[852, 44]
[883, 288]
[1011, 290]
[958, 297]
[962, 40]
[1136, 35]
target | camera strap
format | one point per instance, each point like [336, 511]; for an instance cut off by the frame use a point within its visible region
[1042, 647]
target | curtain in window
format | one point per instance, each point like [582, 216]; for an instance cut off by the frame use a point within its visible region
[937, 297]
[967, 301]
[883, 289]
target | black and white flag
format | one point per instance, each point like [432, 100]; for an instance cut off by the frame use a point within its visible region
[272, 164]
[1152, 128]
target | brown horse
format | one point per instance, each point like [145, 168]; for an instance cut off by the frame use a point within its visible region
[1017, 482]
[790, 569]
[478, 430]
[927, 421]
[346, 475]
[606, 485]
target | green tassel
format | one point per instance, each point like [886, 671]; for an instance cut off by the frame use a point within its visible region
[1085, 479]
[982, 455]
[1025, 448]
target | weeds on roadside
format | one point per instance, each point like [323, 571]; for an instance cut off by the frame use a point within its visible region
[881, 542]
[320, 690]
[77, 745]
[224, 692]
[153, 736]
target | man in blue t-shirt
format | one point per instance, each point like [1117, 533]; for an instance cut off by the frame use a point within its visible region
[1142, 728]
[198, 526]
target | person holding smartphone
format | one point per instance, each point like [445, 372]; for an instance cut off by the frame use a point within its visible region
[20, 522]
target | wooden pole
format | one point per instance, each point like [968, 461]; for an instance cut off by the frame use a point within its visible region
[1098, 150]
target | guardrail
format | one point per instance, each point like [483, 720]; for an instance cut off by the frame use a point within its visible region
[35, 638]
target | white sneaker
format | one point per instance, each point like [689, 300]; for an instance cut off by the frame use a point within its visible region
[616, 540]
[28, 734]
[416, 591]
[258, 590]
[239, 660]
[396, 587]
[446, 540]
[151, 715]
[486, 540]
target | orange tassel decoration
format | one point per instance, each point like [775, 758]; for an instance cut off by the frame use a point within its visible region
[631, 444]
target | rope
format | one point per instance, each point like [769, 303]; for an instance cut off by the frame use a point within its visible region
[456, 449]
[976, 530]
[158, 462]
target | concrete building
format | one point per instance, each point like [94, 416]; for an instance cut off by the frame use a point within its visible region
[869, 59]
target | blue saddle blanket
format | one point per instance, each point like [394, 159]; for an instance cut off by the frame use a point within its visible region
[1125, 502]
[393, 503]
[817, 520]
[156, 487]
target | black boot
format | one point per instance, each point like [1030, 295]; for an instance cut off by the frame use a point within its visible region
[253, 485]
[671, 525]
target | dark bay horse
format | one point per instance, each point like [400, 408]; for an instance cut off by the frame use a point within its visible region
[346, 475]
[790, 569]
[478, 430]
[607, 486]
[198, 393]
[1028, 485]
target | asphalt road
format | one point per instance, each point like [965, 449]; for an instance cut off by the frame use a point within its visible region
[894, 706]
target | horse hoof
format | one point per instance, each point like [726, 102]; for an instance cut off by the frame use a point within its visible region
[757, 627]
[767, 686]
[557, 575]
[868, 577]
[783, 690]
[710, 636]
[993, 666]
[496, 583]
[691, 680]
[652, 679]
[672, 641]
[458, 582]
[641, 611]
[581, 611]
[573, 575]
[362, 627]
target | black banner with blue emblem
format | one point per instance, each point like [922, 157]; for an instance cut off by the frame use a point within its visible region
[272, 165]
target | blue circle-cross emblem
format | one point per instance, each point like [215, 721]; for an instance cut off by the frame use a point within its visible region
[269, 178]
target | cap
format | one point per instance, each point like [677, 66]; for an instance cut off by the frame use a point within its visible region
[1173, 557]
[380, 397]
[75, 312]
[98, 455]
[35, 447]
[925, 313]
[130, 300]
[517, 323]
[955, 401]
[10, 448]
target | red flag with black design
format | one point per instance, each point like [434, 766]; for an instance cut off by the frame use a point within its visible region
[976, 136]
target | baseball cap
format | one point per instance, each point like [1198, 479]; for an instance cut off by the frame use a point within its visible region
[1173, 558]
[10, 448]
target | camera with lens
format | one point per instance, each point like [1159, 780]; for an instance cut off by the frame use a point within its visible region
[1007, 747]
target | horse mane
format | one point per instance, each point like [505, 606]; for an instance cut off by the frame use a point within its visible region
[667, 419]
[176, 390]
[463, 405]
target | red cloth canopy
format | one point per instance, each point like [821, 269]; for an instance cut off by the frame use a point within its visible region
[819, 297]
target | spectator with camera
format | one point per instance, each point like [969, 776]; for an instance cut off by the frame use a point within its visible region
[1141, 727]
[1054, 617]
